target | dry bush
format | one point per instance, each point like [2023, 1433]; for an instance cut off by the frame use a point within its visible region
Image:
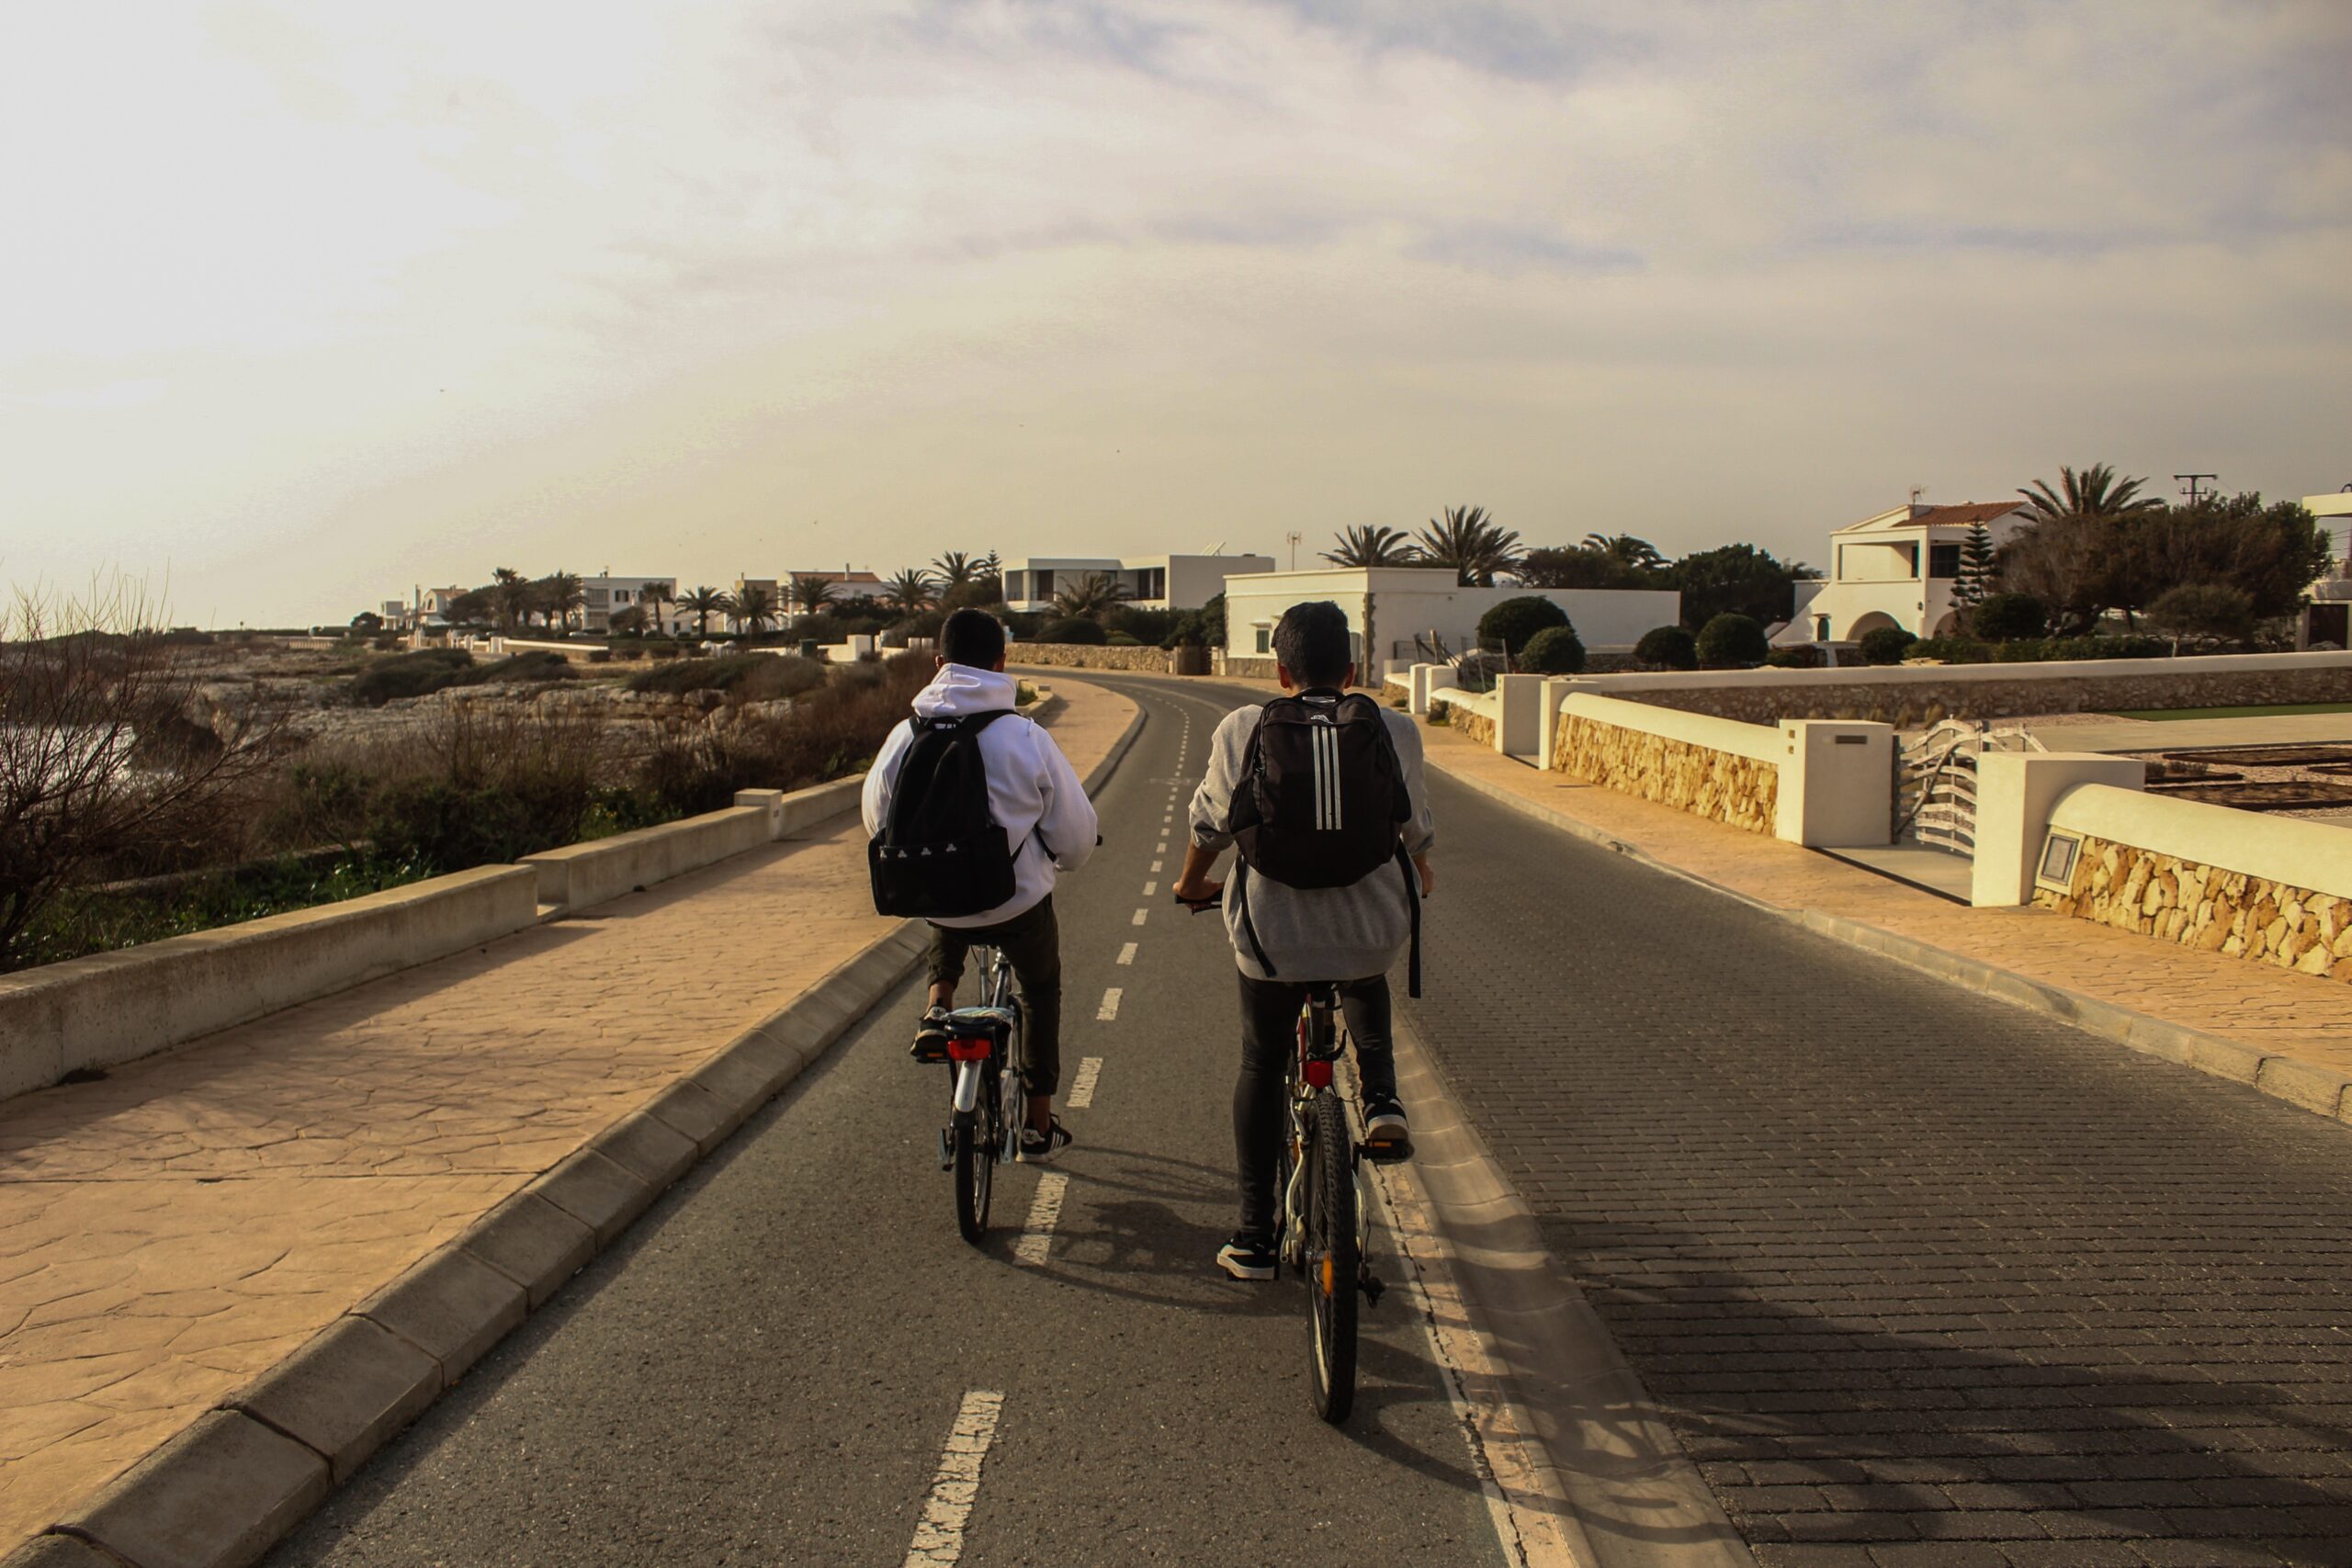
[825, 734]
[104, 770]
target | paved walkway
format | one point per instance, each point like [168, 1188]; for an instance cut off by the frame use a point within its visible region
[170, 1231]
[2273, 1010]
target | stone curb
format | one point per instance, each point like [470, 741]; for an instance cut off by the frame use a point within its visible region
[2296, 1083]
[1622, 1493]
[222, 1492]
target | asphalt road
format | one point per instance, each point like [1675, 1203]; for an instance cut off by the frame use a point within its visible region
[769, 1368]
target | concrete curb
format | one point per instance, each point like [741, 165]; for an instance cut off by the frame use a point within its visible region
[225, 1490]
[2297, 1083]
[1608, 1485]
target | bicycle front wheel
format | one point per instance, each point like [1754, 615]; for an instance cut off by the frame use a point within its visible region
[1333, 1260]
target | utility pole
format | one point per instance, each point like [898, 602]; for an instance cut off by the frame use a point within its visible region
[2190, 490]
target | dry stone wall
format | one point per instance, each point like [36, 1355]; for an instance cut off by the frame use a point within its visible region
[1927, 693]
[2207, 908]
[1742, 791]
[1467, 722]
[1089, 656]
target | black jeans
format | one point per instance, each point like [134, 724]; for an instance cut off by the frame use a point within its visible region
[1032, 940]
[1269, 1040]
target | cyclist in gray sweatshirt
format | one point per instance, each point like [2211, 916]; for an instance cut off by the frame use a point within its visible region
[1353, 934]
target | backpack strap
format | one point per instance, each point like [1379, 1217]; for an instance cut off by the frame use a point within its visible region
[1241, 899]
[1412, 902]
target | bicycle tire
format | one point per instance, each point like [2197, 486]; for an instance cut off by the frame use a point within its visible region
[975, 1137]
[1333, 1262]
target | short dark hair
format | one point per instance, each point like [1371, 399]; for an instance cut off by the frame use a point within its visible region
[973, 637]
[1311, 642]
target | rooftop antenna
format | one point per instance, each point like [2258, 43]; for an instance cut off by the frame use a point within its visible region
[1294, 537]
[2190, 490]
[1916, 492]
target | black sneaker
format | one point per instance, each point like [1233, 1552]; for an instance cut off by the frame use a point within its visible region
[1039, 1148]
[1383, 1120]
[930, 1038]
[1247, 1257]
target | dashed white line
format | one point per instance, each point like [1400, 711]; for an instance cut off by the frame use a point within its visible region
[1036, 1237]
[1110, 1008]
[1128, 953]
[1151, 889]
[1155, 865]
[939, 1535]
[1140, 915]
[1081, 1087]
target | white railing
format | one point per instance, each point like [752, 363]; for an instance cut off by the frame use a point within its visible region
[1936, 781]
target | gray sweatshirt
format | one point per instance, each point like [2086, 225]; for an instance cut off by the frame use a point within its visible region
[1312, 933]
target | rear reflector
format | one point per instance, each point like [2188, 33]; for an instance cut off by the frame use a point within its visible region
[968, 1048]
[1318, 1074]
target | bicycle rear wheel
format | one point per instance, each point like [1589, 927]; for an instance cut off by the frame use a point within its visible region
[1332, 1258]
[975, 1137]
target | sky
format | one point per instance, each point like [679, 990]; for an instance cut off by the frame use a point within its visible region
[303, 306]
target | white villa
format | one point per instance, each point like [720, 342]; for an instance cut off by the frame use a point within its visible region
[1898, 569]
[1152, 582]
[2327, 617]
[1389, 607]
[605, 596]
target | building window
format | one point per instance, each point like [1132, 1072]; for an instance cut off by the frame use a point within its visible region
[1265, 639]
[1943, 560]
[1044, 588]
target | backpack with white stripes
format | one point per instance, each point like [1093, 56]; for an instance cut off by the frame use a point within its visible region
[1322, 792]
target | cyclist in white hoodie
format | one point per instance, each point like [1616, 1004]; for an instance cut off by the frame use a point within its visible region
[1037, 799]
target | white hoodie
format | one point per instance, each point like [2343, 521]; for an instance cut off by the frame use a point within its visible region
[1033, 793]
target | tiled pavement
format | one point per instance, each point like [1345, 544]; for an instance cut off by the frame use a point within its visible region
[1918, 1277]
[172, 1231]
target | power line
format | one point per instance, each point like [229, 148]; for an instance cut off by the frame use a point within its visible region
[2190, 488]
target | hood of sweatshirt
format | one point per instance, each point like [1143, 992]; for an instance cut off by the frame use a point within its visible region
[959, 689]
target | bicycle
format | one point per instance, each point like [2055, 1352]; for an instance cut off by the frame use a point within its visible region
[1323, 1225]
[978, 1134]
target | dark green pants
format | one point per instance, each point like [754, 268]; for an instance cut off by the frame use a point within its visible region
[1032, 942]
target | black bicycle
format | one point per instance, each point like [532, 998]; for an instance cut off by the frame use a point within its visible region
[979, 1133]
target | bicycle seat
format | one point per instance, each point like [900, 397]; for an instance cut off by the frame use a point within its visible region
[982, 1017]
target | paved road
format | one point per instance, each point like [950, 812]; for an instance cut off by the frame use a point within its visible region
[769, 1368]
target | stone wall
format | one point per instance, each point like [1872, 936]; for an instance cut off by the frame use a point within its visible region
[1911, 696]
[1088, 656]
[1721, 786]
[2207, 908]
[1467, 721]
[1246, 666]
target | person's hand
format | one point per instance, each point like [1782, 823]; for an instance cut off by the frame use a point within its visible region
[1429, 876]
[1199, 893]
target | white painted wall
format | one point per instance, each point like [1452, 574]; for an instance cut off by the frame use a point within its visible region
[2015, 794]
[1409, 600]
[2292, 850]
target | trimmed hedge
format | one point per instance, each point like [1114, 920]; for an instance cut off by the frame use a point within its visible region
[1885, 644]
[1668, 648]
[2038, 650]
[1515, 623]
[1555, 650]
[1075, 629]
[1732, 641]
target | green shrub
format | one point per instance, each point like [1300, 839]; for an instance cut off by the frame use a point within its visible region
[1805, 656]
[1885, 644]
[1121, 639]
[1555, 650]
[1513, 624]
[1074, 629]
[1732, 641]
[1668, 648]
[2010, 618]
[409, 675]
[2210, 610]
[1952, 651]
[2053, 650]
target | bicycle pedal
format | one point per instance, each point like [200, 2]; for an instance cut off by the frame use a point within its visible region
[1371, 1287]
[947, 1150]
[1390, 1152]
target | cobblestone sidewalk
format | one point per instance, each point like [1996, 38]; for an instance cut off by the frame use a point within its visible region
[173, 1230]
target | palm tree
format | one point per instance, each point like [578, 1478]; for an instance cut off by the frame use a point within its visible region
[561, 594]
[1470, 542]
[2093, 493]
[1626, 551]
[1089, 597]
[1372, 544]
[809, 594]
[512, 594]
[704, 602]
[754, 609]
[910, 591]
[655, 595]
[954, 570]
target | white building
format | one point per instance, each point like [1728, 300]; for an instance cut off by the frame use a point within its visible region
[1898, 569]
[1151, 582]
[1388, 607]
[605, 596]
[2328, 616]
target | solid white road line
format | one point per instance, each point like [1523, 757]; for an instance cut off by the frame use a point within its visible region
[1140, 914]
[1081, 1087]
[1044, 1211]
[939, 1535]
[1127, 953]
[1110, 1008]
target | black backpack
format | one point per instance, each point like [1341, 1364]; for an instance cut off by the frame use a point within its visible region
[942, 852]
[1319, 800]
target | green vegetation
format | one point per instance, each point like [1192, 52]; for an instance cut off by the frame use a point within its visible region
[2008, 617]
[2037, 650]
[1732, 641]
[101, 920]
[744, 677]
[1074, 629]
[1555, 650]
[1885, 644]
[431, 670]
[1512, 624]
[1668, 648]
[2260, 710]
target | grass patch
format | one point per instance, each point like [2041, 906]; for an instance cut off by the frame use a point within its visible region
[2265, 710]
[101, 921]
